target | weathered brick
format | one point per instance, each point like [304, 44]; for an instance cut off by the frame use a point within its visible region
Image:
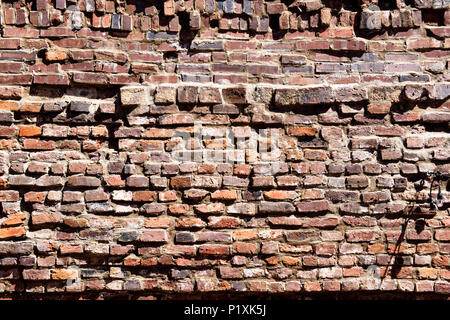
[276, 207]
[134, 95]
[31, 274]
[83, 181]
[312, 206]
[155, 235]
[313, 95]
[187, 94]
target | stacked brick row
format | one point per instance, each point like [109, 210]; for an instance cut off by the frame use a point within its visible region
[189, 147]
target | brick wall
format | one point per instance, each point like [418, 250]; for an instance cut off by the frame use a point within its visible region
[237, 146]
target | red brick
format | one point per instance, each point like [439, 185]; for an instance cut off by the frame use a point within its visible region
[90, 78]
[10, 43]
[29, 131]
[12, 233]
[213, 250]
[156, 235]
[31, 274]
[13, 32]
[33, 144]
[51, 79]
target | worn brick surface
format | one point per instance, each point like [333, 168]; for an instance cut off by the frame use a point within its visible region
[177, 147]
